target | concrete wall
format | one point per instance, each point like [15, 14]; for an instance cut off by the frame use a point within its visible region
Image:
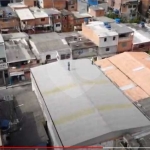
[58, 4]
[11, 23]
[88, 33]
[96, 13]
[103, 52]
[67, 23]
[89, 52]
[145, 6]
[124, 46]
[109, 41]
[78, 22]
[126, 43]
[52, 130]
[29, 3]
[126, 11]
[38, 21]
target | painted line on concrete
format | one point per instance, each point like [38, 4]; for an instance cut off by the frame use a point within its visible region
[89, 111]
[69, 86]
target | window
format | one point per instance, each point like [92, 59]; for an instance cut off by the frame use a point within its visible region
[57, 25]
[48, 57]
[114, 38]
[65, 17]
[70, 26]
[43, 19]
[134, 6]
[124, 44]
[129, 6]
[57, 17]
[68, 56]
[124, 5]
[107, 49]
[105, 39]
[62, 56]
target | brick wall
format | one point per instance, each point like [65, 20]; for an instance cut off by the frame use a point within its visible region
[88, 33]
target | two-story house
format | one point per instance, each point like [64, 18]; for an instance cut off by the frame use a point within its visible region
[42, 20]
[102, 36]
[58, 4]
[79, 19]
[126, 8]
[19, 57]
[9, 21]
[111, 38]
[67, 21]
[27, 20]
[125, 37]
[55, 18]
[72, 5]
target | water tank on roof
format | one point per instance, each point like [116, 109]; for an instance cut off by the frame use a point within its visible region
[142, 24]
[105, 23]
[108, 26]
[117, 20]
[4, 124]
[86, 20]
[116, 11]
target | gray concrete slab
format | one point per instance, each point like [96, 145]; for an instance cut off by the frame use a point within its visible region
[30, 113]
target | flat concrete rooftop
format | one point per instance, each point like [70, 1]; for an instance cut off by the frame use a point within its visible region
[85, 106]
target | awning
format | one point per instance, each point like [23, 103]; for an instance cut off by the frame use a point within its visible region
[16, 73]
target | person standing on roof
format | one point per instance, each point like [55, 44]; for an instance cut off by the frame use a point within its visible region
[92, 60]
[69, 66]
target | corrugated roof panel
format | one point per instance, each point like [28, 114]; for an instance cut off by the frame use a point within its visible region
[125, 61]
[136, 94]
[141, 77]
[142, 57]
[119, 78]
